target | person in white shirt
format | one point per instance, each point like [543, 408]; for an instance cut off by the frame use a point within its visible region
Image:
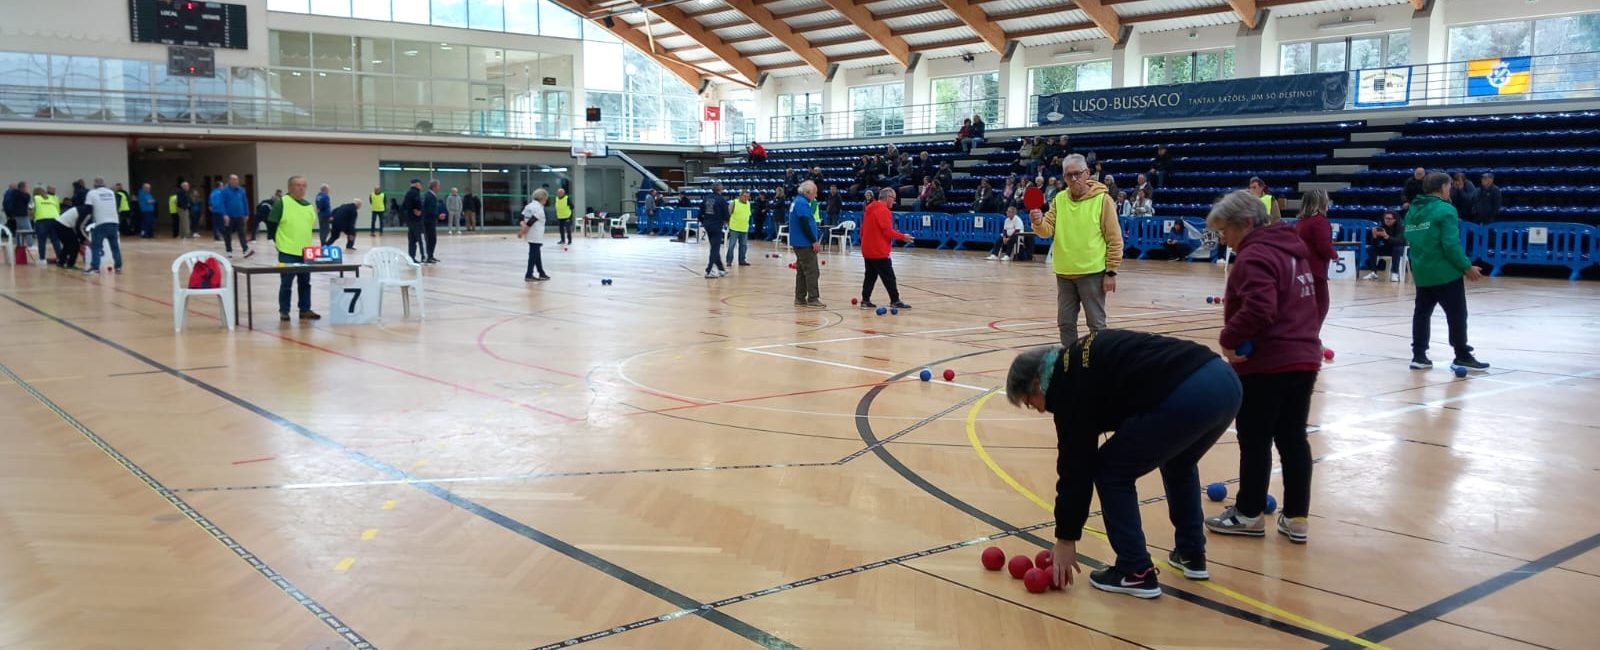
[533, 224]
[103, 226]
[1010, 237]
[1142, 204]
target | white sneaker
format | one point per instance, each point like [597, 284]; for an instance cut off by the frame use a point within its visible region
[1370, 276]
[711, 275]
[1394, 277]
[991, 258]
[722, 273]
[1005, 258]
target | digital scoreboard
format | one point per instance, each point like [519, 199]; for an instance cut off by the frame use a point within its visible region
[189, 23]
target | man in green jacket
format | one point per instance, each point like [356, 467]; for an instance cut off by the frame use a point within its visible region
[1438, 264]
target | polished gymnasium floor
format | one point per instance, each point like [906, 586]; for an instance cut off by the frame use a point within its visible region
[672, 462]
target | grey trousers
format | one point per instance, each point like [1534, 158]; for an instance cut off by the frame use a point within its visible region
[805, 275]
[1088, 291]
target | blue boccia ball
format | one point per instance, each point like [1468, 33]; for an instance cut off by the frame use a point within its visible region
[894, 310]
[925, 375]
[1209, 300]
[1461, 371]
[883, 310]
[1216, 491]
[1272, 505]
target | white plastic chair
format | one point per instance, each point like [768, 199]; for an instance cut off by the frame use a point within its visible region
[693, 227]
[841, 238]
[782, 241]
[1395, 268]
[181, 269]
[394, 268]
[8, 242]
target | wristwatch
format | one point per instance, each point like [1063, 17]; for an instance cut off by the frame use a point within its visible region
[1111, 274]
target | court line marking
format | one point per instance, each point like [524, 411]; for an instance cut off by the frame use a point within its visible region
[847, 366]
[864, 428]
[983, 454]
[1433, 611]
[1035, 610]
[305, 600]
[540, 537]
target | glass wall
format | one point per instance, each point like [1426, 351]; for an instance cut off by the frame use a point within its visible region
[1070, 77]
[1339, 54]
[540, 17]
[959, 98]
[738, 116]
[503, 188]
[876, 110]
[1184, 67]
[646, 103]
[799, 116]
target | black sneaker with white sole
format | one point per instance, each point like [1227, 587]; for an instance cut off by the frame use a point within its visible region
[1421, 363]
[1140, 585]
[1192, 566]
[1470, 363]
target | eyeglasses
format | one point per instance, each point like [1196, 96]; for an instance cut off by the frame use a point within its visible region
[1076, 174]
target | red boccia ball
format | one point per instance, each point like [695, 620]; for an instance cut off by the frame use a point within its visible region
[949, 375]
[993, 558]
[1043, 560]
[1327, 354]
[1036, 580]
[1019, 565]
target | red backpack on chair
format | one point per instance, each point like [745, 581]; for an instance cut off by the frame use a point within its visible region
[207, 274]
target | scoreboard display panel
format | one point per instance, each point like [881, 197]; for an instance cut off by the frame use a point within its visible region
[188, 22]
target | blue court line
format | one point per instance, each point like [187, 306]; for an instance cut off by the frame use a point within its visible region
[683, 601]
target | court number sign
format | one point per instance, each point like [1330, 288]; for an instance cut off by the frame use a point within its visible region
[1342, 267]
[353, 301]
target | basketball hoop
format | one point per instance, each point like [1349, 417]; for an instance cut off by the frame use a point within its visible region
[588, 143]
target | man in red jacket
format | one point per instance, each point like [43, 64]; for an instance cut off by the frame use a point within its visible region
[877, 232]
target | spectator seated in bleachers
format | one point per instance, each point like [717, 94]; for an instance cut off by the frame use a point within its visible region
[1124, 206]
[984, 200]
[931, 197]
[1160, 165]
[1143, 205]
[756, 153]
[1388, 240]
[1462, 195]
[833, 205]
[964, 136]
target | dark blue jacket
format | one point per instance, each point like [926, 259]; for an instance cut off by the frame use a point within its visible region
[324, 204]
[234, 202]
[16, 203]
[802, 226]
[714, 214]
[430, 205]
[412, 202]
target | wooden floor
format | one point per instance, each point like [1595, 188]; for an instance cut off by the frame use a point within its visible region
[673, 462]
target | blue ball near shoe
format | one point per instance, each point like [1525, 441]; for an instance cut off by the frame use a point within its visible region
[883, 310]
[925, 375]
[894, 310]
[1216, 491]
[1461, 371]
[1272, 505]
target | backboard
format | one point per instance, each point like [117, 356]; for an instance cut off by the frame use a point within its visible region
[589, 143]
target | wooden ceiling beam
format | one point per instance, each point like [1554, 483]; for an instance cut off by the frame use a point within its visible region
[924, 29]
[1104, 16]
[1246, 9]
[873, 27]
[785, 34]
[642, 42]
[974, 17]
[706, 38]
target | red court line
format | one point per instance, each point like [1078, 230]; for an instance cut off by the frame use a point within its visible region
[253, 460]
[403, 371]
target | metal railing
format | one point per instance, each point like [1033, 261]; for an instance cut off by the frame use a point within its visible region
[916, 119]
[1551, 77]
[32, 103]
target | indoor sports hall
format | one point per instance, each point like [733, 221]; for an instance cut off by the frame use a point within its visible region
[768, 380]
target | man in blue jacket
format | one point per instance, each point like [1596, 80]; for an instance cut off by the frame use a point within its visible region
[236, 212]
[324, 213]
[147, 212]
[714, 217]
[806, 241]
[432, 209]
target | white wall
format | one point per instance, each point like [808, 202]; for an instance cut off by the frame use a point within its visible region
[349, 170]
[1304, 28]
[59, 160]
[101, 28]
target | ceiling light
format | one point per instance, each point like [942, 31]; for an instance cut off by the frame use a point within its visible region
[377, 61]
[410, 52]
[1347, 21]
[1071, 54]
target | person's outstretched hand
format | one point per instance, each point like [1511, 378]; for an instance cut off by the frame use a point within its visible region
[1064, 563]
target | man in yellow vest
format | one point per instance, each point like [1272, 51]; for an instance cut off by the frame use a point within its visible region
[297, 221]
[378, 206]
[1087, 249]
[739, 227]
[46, 207]
[178, 207]
[1274, 207]
[564, 215]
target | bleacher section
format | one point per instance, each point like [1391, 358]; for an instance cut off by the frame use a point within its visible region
[1546, 164]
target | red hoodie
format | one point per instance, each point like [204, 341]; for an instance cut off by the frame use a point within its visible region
[877, 232]
[1272, 302]
[1317, 235]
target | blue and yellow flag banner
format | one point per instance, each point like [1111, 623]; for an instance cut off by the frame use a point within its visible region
[1509, 75]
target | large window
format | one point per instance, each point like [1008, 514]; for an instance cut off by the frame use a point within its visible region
[1563, 48]
[1070, 77]
[799, 116]
[646, 103]
[877, 110]
[959, 98]
[1185, 67]
[541, 17]
[1340, 54]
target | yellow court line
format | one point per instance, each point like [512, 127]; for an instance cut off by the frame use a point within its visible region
[369, 534]
[389, 505]
[344, 565]
[977, 445]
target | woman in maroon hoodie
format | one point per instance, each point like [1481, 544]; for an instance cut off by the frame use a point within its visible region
[1270, 337]
[1316, 233]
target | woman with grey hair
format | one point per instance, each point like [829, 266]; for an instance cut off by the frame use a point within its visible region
[1167, 401]
[1270, 335]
